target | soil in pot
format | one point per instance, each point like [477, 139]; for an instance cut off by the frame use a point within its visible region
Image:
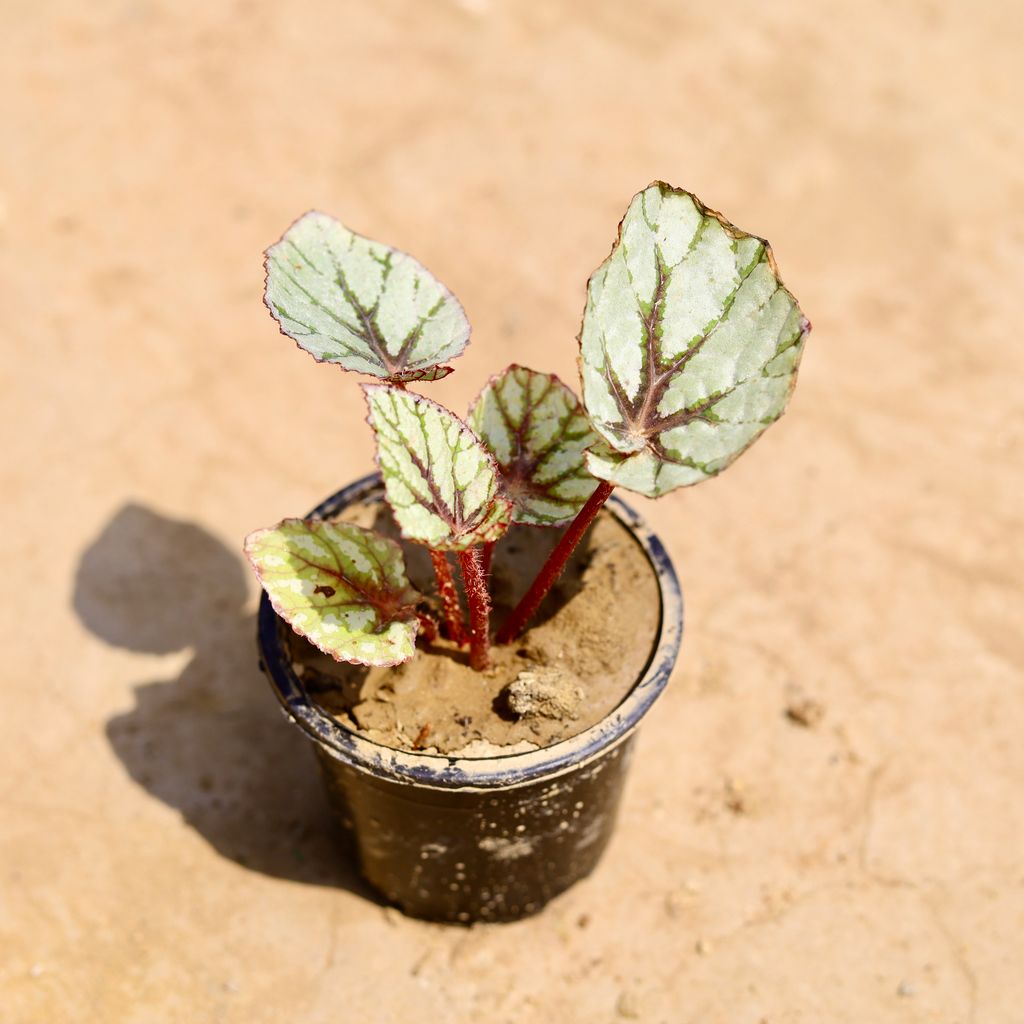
[585, 650]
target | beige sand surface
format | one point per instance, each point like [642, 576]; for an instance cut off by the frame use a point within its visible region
[161, 846]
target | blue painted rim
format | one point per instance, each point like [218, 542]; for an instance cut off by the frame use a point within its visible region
[440, 771]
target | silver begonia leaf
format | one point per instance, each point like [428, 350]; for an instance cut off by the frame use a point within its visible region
[342, 587]
[363, 305]
[440, 481]
[689, 347]
[537, 431]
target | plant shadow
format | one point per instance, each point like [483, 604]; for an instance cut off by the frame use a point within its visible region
[211, 743]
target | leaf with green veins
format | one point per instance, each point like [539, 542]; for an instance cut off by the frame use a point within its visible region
[367, 307]
[341, 587]
[440, 481]
[690, 344]
[537, 431]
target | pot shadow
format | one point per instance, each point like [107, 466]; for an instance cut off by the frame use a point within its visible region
[211, 743]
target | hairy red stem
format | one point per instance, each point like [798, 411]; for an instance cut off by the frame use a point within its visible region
[474, 579]
[552, 568]
[487, 556]
[450, 606]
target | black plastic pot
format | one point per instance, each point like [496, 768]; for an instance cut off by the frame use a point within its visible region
[479, 839]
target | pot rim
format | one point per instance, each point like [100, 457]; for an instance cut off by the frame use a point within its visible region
[443, 771]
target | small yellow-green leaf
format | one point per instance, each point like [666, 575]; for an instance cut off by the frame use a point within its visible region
[690, 344]
[367, 307]
[537, 431]
[440, 481]
[340, 586]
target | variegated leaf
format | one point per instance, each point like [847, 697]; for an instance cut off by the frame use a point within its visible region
[348, 300]
[440, 481]
[340, 586]
[690, 344]
[537, 431]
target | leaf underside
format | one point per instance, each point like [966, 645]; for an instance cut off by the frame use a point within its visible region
[340, 586]
[367, 307]
[440, 481]
[690, 344]
[537, 431]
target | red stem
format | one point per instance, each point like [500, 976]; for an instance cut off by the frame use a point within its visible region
[488, 556]
[474, 579]
[450, 606]
[552, 568]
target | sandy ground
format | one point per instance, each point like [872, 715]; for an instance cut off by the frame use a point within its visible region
[162, 844]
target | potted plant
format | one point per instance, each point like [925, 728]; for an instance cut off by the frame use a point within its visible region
[479, 777]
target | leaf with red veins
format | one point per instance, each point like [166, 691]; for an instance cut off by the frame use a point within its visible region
[343, 588]
[537, 431]
[348, 300]
[690, 344]
[440, 481]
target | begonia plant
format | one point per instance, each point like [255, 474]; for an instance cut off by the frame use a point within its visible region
[689, 349]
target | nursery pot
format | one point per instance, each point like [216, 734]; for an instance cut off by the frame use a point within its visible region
[478, 839]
